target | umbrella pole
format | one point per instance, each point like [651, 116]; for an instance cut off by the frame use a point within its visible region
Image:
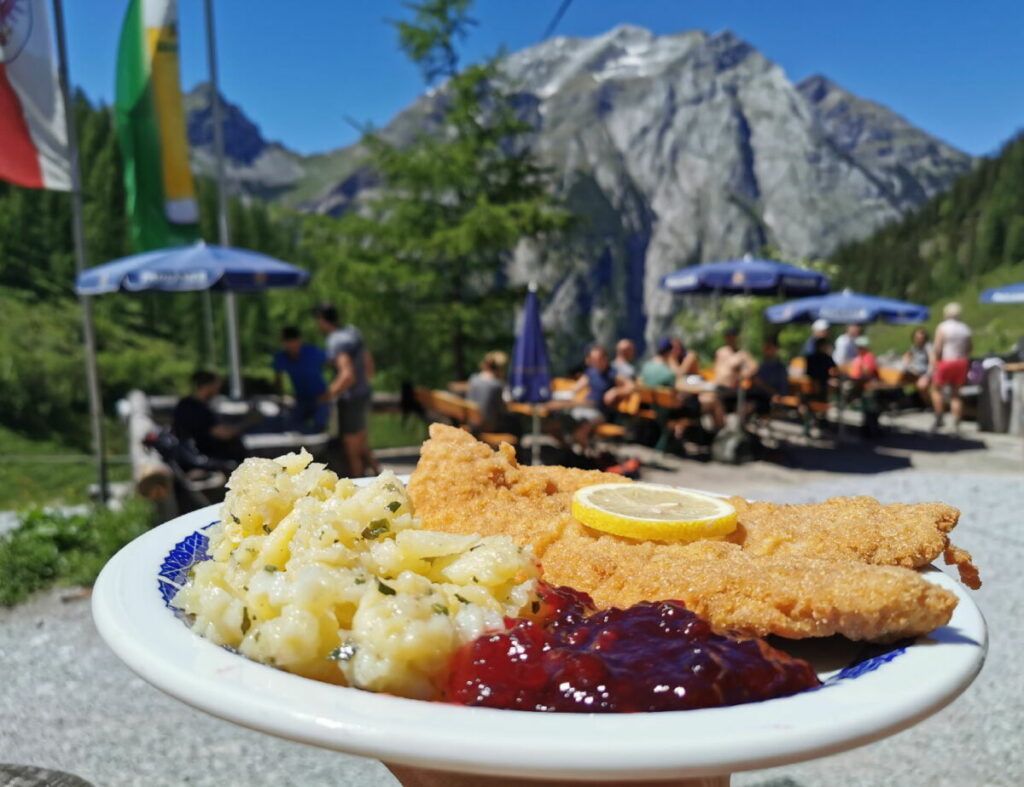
[211, 345]
[234, 355]
[78, 231]
[741, 393]
[535, 443]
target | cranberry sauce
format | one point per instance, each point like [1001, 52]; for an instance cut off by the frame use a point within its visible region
[654, 656]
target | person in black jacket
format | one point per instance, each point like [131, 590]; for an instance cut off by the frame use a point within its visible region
[194, 420]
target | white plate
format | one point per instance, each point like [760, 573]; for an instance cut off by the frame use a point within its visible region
[863, 699]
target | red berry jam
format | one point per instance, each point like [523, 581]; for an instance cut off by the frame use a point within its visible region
[654, 656]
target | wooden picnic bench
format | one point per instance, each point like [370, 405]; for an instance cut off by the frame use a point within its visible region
[456, 410]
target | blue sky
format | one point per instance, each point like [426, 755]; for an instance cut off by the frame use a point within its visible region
[300, 68]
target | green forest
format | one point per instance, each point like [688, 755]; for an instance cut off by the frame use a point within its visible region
[960, 242]
[419, 268]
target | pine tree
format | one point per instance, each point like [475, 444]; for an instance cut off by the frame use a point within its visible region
[428, 252]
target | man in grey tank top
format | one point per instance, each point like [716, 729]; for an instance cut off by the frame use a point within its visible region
[353, 369]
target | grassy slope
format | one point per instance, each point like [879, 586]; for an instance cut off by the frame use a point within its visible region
[996, 327]
[323, 170]
[25, 480]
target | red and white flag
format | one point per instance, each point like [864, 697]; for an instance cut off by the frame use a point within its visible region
[33, 136]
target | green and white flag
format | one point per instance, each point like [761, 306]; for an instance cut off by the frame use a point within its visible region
[151, 128]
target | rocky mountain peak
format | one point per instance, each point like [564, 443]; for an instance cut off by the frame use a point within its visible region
[253, 164]
[243, 141]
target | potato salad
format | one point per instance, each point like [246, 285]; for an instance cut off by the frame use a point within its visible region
[337, 582]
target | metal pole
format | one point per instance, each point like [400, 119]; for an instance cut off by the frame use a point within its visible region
[211, 345]
[535, 443]
[234, 355]
[78, 232]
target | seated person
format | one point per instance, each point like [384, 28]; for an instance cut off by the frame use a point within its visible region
[487, 391]
[304, 364]
[195, 424]
[772, 378]
[863, 373]
[820, 367]
[658, 373]
[683, 361]
[916, 364]
[733, 367]
[625, 355]
[864, 366]
[604, 390]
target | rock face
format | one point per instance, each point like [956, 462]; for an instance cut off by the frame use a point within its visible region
[913, 165]
[253, 165]
[687, 148]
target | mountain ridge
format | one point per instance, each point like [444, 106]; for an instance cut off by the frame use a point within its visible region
[678, 149]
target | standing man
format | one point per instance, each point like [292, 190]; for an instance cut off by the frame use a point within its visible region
[353, 369]
[951, 355]
[846, 345]
[304, 365]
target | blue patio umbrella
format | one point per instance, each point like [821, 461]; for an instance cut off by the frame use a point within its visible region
[746, 276]
[530, 374]
[846, 307]
[192, 269]
[1010, 293]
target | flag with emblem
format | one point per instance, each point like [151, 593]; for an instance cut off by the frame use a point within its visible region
[33, 136]
[151, 128]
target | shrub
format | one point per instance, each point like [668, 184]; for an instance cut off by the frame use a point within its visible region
[50, 547]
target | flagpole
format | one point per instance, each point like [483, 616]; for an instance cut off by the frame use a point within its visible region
[234, 356]
[78, 232]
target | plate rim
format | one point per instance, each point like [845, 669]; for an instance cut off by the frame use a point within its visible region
[146, 636]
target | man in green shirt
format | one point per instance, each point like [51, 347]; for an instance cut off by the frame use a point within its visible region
[657, 372]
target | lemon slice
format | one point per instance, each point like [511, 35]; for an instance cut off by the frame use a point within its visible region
[653, 512]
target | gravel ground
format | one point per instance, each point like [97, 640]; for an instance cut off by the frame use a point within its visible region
[69, 704]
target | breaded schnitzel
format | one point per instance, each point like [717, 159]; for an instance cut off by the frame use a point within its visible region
[460, 485]
[856, 528]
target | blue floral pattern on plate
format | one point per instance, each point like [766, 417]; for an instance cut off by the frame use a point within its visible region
[174, 571]
[868, 660]
[178, 562]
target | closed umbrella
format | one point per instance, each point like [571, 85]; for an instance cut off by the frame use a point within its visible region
[195, 268]
[530, 373]
[847, 307]
[1010, 293]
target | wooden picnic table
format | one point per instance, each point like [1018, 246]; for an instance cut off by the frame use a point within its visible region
[544, 409]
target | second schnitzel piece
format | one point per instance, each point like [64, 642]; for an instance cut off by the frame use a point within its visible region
[460, 485]
[856, 528]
